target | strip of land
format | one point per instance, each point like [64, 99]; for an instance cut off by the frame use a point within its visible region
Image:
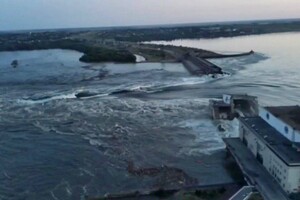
[121, 44]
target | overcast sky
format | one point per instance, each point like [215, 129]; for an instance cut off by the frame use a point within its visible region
[40, 14]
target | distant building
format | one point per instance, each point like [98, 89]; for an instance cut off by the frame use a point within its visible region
[274, 139]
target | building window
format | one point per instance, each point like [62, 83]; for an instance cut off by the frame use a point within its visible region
[268, 116]
[244, 131]
[286, 129]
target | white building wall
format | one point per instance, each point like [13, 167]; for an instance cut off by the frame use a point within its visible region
[293, 177]
[288, 177]
[285, 129]
[297, 136]
[279, 170]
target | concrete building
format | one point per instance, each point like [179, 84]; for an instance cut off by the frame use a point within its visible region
[232, 105]
[274, 139]
[284, 119]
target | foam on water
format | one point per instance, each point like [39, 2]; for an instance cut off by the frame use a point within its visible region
[231, 128]
[207, 139]
[146, 87]
[139, 58]
[159, 86]
[45, 100]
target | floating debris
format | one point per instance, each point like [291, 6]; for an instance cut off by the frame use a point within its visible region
[14, 63]
[166, 176]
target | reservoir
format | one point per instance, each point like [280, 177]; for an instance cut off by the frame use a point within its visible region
[273, 70]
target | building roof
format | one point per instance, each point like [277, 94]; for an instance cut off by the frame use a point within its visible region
[280, 145]
[288, 114]
[242, 96]
[219, 103]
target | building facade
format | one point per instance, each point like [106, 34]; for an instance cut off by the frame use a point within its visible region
[273, 140]
[284, 119]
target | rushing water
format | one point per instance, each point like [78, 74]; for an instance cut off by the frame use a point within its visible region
[56, 146]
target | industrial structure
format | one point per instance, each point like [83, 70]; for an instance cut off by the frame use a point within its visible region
[233, 105]
[268, 147]
[274, 139]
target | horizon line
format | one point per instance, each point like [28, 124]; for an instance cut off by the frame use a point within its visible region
[147, 25]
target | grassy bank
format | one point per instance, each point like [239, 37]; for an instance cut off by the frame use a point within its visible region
[91, 53]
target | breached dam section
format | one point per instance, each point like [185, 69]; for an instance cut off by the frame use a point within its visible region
[199, 66]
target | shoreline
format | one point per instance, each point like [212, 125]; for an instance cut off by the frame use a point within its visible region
[194, 60]
[97, 49]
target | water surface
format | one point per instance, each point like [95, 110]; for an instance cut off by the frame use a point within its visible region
[56, 146]
[271, 73]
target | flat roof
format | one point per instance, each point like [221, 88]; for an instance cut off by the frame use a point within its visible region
[288, 114]
[242, 96]
[219, 103]
[280, 145]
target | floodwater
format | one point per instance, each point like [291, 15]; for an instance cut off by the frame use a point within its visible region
[56, 146]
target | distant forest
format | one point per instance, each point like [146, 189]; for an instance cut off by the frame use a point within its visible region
[113, 45]
[91, 53]
[208, 31]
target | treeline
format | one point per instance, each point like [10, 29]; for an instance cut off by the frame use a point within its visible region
[108, 55]
[91, 53]
[209, 31]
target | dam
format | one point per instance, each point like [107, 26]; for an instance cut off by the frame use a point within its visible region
[199, 66]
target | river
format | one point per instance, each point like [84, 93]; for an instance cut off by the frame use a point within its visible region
[56, 146]
[272, 73]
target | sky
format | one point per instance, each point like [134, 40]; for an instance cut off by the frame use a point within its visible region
[42, 14]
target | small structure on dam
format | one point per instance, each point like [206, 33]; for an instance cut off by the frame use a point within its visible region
[233, 105]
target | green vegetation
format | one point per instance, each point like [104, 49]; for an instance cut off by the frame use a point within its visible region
[91, 53]
[107, 55]
[118, 45]
[202, 31]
